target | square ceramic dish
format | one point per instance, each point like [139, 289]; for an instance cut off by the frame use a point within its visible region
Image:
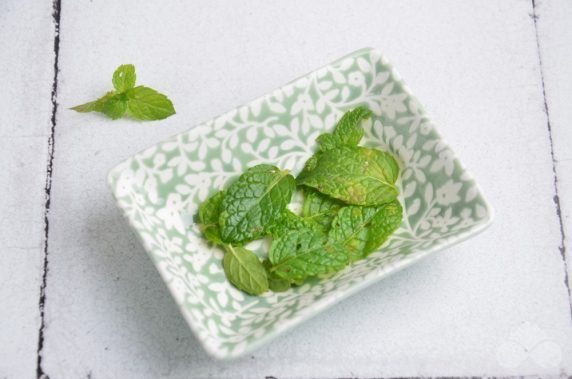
[160, 188]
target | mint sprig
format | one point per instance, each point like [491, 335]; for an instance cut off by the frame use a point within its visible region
[141, 103]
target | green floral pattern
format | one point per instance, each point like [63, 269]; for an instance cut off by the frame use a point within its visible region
[159, 191]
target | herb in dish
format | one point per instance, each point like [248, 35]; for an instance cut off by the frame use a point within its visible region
[141, 103]
[350, 209]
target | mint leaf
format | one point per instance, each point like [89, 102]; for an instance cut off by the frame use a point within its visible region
[244, 270]
[147, 104]
[254, 201]
[361, 230]
[275, 283]
[312, 162]
[278, 284]
[93, 106]
[298, 255]
[348, 130]
[289, 221]
[87, 107]
[124, 77]
[355, 175]
[320, 208]
[142, 103]
[115, 107]
[209, 213]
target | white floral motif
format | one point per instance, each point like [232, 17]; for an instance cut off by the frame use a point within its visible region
[124, 183]
[201, 252]
[445, 161]
[466, 218]
[448, 193]
[171, 213]
[303, 103]
[392, 103]
[201, 182]
[356, 79]
[426, 128]
[440, 223]
[416, 164]
[173, 245]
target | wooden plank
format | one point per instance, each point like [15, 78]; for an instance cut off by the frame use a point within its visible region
[554, 36]
[466, 311]
[26, 74]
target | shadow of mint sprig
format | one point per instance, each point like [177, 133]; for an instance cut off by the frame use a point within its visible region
[141, 103]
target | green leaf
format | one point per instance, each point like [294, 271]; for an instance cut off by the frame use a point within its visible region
[87, 107]
[257, 199]
[320, 208]
[124, 77]
[244, 270]
[362, 230]
[312, 162]
[145, 103]
[298, 255]
[275, 283]
[140, 102]
[348, 130]
[209, 213]
[278, 285]
[296, 282]
[115, 107]
[93, 106]
[353, 174]
[289, 221]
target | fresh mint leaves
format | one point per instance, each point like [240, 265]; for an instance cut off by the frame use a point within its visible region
[348, 130]
[361, 230]
[289, 221]
[320, 208]
[254, 201]
[115, 106]
[298, 255]
[245, 270]
[141, 103]
[209, 214]
[350, 202]
[353, 174]
[124, 78]
[145, 103]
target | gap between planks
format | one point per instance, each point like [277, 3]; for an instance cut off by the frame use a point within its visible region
[556, 198]
[56, 17]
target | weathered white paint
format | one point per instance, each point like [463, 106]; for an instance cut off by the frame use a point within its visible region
[555, 37]
[26, 73]
[474, 65]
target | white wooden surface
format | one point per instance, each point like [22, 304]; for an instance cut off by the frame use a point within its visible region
[555, 35]
[26, 75]
[494, 305]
